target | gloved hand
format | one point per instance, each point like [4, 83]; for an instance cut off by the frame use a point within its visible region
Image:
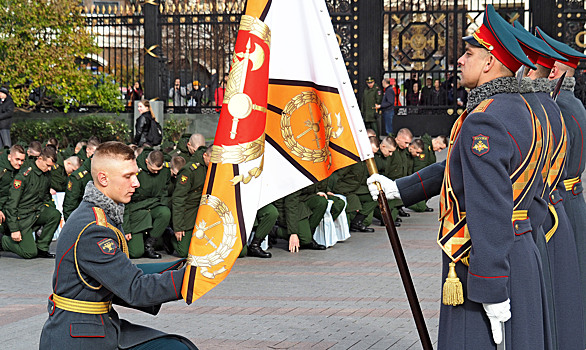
[389, 187]
[498, 314]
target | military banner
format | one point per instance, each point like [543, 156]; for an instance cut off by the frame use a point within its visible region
[288, 79]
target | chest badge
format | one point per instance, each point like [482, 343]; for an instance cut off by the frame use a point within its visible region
[480, 145]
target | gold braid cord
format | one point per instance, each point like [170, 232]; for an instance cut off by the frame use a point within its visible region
[256, 27]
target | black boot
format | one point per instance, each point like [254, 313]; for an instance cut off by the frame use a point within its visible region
[254, 249]
[44, 254]
[398, 219]
[273, 236]
[403, 214]
[149, 250]
[167, 235]
[357, 226]
[313, 246]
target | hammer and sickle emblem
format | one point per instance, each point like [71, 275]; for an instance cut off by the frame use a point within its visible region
[240, 105]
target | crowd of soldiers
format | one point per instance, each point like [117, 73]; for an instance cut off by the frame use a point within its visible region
[163, 210]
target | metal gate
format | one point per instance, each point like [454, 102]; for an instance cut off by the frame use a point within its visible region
[421, 45]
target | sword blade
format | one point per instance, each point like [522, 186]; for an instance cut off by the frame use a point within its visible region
[558, 87]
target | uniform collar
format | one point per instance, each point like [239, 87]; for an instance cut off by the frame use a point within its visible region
[114, 211]
[526, 86]
[568, 84]
[503, 85]
[36, 169]
[542, 85]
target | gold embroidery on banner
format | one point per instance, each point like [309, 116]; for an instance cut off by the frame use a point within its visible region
[256, 27]
[221, 251]
[240, 105]
[313, 125]
[241, 153]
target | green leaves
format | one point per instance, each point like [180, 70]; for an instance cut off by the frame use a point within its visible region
[41, 46]
[74, 129]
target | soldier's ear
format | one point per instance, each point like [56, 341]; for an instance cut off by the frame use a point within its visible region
[102, 179]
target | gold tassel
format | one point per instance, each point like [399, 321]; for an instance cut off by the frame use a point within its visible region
[453, 294]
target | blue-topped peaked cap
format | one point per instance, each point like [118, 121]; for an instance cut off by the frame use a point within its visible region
[535, 48]
[572, 55]
[494, 36]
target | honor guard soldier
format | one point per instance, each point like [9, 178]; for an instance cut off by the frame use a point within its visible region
[493, 292]
[78, 180]
[185, 201]
[147, 215]
[555, 237]
[574, 116]
[10, 164]
[30, 207]
[371, 97]
[93, 270]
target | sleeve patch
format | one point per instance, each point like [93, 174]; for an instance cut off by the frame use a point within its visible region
[183, 179]
[480, 145]
[108, 246]
[69, 185]
[17, 184]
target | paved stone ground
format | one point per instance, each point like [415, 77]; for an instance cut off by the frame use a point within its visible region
[347, 297]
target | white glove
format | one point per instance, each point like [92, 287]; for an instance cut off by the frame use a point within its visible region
[389, 187]
[498, 314]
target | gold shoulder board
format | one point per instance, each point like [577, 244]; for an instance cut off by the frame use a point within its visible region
[483, 105]
[100, 215]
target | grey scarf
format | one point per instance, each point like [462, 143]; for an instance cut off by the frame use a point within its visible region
[497, 86]
[114, 211]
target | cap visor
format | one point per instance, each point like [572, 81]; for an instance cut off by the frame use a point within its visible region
[472, 41]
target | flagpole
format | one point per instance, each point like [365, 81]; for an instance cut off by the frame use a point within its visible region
[401, 262]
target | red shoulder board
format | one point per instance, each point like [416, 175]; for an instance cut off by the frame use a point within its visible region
[101, 219]
[28, 171]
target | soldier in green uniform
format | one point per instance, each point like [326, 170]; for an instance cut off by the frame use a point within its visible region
[32, 152]
[147, 215]
[29, 206]
[185, 201]
[403, 139]
[371, 97]
[351, 183]
[195, 144]
[389, 164]
[427, 157]
[10, 164]
[299, 214]
[265, 220]
[61, 170]
[78, 180]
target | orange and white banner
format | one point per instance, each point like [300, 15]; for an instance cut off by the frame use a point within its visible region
[289, 118]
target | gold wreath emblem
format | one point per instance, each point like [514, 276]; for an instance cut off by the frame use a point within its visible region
[313, 125]
[221, 252]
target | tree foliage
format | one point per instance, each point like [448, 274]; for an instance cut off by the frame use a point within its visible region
[42, 43]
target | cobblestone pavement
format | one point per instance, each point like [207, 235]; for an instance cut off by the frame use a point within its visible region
[347, 297]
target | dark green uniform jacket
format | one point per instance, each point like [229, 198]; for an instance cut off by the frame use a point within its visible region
[427, 157]
[75, 187]
[28, 193]
[59, 176]
[7, 173]
[151, 193]
[187, 195]
[370, 97]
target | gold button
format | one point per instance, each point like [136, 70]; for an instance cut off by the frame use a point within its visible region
[516, 226]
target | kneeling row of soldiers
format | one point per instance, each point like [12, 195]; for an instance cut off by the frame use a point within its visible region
[162, 212]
